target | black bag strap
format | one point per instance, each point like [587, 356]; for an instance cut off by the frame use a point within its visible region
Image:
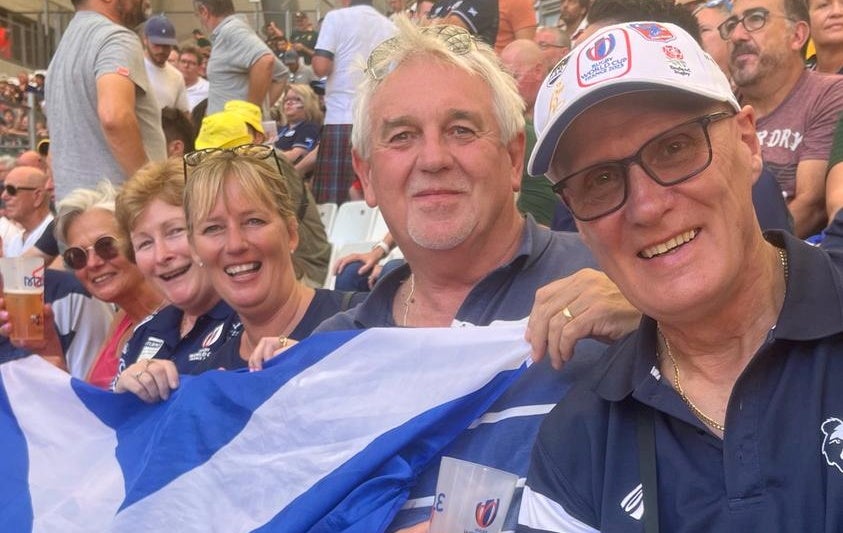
[646, 431]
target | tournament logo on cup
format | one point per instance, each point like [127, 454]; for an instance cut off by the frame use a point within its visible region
[35, 278]
[486, 512]
[605, 58]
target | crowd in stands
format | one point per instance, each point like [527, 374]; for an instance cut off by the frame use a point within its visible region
[176, 199]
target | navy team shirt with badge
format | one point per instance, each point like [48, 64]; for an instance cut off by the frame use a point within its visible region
[779, 467]
[326, 303]
[159, 337]
[302, 135]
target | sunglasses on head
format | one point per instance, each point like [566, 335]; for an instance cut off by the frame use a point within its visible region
[12, 190]
[76, 257]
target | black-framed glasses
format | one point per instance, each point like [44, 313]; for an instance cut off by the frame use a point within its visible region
[669, 158]
[752, 20]
[105, 247]
[257, 151]
[457, 40]
[12, 190]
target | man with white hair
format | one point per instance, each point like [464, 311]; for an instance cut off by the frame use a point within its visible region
[438, 143]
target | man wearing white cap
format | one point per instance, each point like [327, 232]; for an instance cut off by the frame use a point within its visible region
[722, 412]
[159, 38]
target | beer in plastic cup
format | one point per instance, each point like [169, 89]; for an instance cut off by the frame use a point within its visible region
[471, 498]
[23, 291]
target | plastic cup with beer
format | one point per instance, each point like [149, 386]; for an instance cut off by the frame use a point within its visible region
[23, 292]
[471, 498]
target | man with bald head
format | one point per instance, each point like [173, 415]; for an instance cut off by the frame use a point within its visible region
[27, 204]
[31, 158]
[524, 59]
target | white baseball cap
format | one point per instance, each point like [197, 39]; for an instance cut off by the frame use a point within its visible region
[621, 59]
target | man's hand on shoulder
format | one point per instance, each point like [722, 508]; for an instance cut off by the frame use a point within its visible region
[584, 304]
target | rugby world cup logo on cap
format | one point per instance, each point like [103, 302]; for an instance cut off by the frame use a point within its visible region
[606, 57]
[601, 48]
[486, 512]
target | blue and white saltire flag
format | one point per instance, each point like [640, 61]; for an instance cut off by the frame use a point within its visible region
[326, 439]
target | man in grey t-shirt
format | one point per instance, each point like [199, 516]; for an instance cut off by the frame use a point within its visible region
[241, 66]
[104, 120]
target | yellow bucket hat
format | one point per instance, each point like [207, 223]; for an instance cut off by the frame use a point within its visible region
[222, 130]
[249, 112]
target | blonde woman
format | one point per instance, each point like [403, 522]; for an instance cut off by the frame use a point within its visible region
[302, 122]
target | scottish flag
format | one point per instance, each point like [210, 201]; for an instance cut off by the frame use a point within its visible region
[326, 439]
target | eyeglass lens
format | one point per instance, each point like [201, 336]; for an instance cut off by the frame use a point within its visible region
[76, 257]
[752, 20]
[670, 158]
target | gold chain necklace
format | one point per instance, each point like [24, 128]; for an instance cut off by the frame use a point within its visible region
[409, 299]
[694, 409]
[783, 259]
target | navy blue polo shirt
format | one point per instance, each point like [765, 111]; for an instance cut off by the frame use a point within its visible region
[302, 135]
[326, 303]
[502, 438]
[779, 466]
[159, 336]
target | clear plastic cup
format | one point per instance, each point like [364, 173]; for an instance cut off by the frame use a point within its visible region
[23, 292]
[270, 131]
[471, 498]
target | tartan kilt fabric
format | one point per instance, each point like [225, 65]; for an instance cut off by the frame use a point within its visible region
[333, 174]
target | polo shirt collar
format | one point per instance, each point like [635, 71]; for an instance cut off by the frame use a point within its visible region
[812, 309]
[376, 310]
[215, 33]
[813, 303]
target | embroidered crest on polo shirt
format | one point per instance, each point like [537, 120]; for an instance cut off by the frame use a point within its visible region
[833, 442]
[212, 337]
[150, 348]
[633, 503]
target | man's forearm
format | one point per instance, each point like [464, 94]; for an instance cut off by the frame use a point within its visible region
[124, 140]
[260, 77]
[809, 216]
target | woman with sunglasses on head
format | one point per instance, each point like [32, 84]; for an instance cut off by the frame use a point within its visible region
[181, 336]
[243, 227]
[86, 226]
